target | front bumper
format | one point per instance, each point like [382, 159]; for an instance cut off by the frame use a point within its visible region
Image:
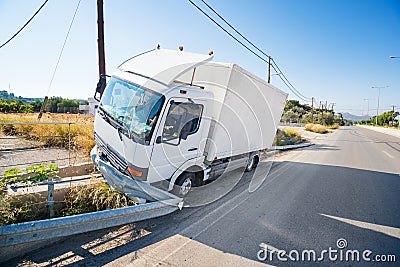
[127, 185]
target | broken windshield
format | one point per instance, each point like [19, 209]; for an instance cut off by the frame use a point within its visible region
[135, 108]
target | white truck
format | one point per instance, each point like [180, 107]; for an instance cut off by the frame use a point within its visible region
[171, 120]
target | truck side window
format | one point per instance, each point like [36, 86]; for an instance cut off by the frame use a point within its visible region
[181, 115]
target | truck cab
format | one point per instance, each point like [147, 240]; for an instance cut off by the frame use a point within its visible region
[170, 120]
[151, 131]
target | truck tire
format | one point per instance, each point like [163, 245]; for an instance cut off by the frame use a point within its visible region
[183, 184]
[251, 163]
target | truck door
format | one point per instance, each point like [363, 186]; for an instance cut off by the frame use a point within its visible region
[178, 138]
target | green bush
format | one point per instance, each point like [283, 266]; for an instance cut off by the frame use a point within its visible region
[31, 174]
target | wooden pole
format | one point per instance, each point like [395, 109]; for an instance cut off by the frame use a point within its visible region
[100, 39]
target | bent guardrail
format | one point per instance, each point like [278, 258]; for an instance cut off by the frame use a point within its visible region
[64, 226]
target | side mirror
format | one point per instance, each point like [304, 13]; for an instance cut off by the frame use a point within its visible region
[101, 85]
[158, 140]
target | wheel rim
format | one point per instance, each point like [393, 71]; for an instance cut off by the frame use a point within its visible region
[185, 187]
[251, 163]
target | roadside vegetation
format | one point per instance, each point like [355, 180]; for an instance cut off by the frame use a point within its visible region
[333, 126]
[78, 199]
[9, 103]
[287, 136]
[386, 119]
[53, 135]
[316, 128]
[303, 113]
[22, 208]
[18, 106]
[94, 197]
[30, 175]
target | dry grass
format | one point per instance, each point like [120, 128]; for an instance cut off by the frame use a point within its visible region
[53, 135]
[95, 197]
[22, 208]
[316, 128]
[292, 133]
[287, 136]
[333, 126]
[79, 199]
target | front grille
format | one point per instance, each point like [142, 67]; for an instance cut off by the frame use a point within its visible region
[113, 157]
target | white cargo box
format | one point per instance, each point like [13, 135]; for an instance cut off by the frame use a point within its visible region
[246, 111]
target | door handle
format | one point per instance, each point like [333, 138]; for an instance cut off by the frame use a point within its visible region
[192, 149]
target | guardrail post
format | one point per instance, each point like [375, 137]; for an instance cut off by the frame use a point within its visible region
[50, 196]
[69, 144]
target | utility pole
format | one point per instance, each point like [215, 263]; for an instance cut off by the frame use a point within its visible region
[393, 116]
[367, 99]
[312, 109]
[100, 39]
[377, 108]
[322, 112]
[269, 69]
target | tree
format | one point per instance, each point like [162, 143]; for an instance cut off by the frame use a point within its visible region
[294, 111]
[8, 106]
[51, 104]
[68, 105]
[37, 105]
[290, 115]
[385, 118]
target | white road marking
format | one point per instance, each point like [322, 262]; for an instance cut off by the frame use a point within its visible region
[387, 154]
[388, 230]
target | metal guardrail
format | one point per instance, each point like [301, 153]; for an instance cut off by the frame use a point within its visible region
[59, 227]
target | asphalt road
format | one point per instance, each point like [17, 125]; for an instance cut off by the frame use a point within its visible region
[346, 186]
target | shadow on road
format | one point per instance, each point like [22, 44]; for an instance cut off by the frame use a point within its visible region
[288, 212]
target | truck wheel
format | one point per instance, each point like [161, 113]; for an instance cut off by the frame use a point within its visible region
[251, 163]
[183, 184]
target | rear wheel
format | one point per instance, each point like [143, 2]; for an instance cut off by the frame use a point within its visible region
[251, 163]
[183, 184]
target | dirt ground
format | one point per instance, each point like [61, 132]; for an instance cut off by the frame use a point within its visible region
[16, 152]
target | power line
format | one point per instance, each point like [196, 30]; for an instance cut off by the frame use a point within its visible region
[233, 28]
[222, 28]
[26, 23]
[63, 46]
[273, 61]
[284, 80]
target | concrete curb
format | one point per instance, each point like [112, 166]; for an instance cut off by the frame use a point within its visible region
[291, 146]
[388, 131]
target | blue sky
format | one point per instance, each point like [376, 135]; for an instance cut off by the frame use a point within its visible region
[333, 50]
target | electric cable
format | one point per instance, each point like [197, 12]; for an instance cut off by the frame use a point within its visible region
[26, 23]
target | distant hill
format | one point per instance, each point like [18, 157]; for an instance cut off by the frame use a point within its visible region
[352, 117]
[10, 96]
